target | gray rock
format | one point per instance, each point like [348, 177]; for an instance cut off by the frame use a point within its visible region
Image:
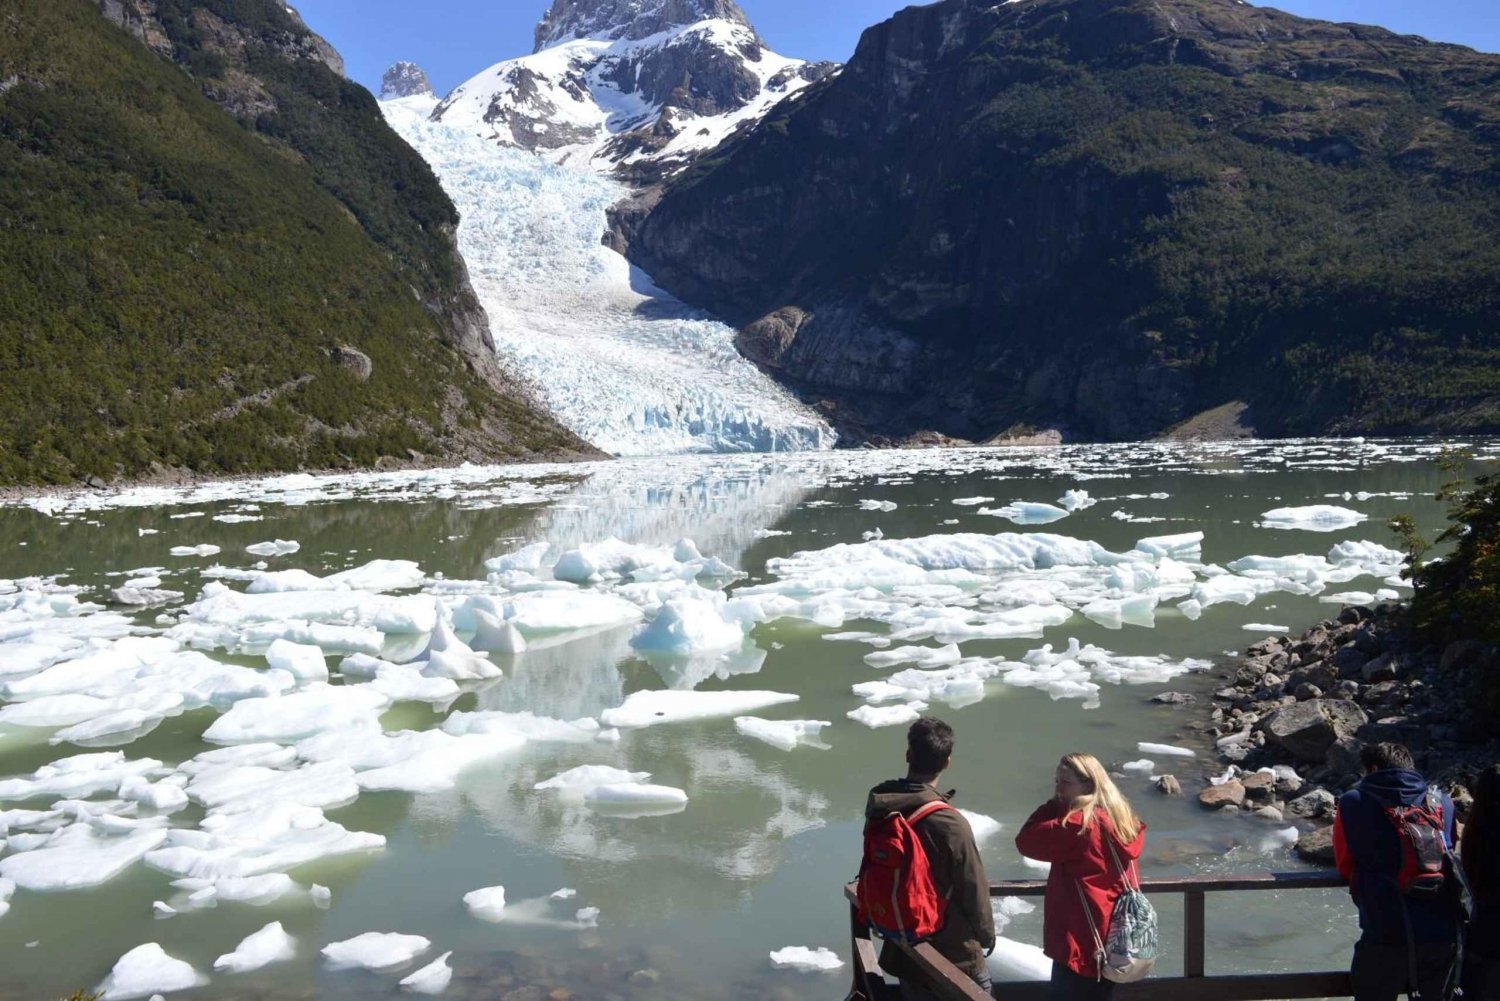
[1343, 760]
[1174, 699]
[1382, 668]
[1316, 846]
[1259, 786]
[1306, 692]
[1318, 803]
[404, 80]
[1168, 785]
[1270, 813]
[1307, 730]
[1349, 661]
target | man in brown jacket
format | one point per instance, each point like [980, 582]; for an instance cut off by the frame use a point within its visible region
[968, 931]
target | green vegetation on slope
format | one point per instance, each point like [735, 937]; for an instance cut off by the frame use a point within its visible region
[173, 285]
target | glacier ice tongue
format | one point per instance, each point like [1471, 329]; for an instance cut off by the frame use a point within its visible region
[620, 363]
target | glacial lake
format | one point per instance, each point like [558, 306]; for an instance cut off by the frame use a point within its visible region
[871, 548]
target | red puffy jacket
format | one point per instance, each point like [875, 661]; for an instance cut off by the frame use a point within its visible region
[1078, 857]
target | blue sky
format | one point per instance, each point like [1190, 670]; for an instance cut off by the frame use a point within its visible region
[454, 39]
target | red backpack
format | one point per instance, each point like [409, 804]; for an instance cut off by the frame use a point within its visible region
[1424, 849]
[897, 897]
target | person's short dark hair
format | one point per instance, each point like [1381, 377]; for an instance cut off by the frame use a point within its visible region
[930, 743]
[1379, 757]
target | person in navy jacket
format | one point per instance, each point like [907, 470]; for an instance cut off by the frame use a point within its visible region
[1481, 855]
[1368, 852]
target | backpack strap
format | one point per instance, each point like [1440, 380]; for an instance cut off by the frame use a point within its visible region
[926, 810]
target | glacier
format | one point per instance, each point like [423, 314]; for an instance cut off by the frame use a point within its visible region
[617, 360]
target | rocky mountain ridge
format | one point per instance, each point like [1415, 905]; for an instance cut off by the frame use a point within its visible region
[637, 88]
[404, 79]
[1105, 217]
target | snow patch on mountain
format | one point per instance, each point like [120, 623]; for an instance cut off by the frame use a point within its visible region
[618, 361]
[600, 93]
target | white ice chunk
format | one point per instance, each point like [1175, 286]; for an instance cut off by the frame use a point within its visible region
[1264, 627]
[632, 794]
[1165, 750]
[648, 708]
[1076, 500]
[805, 960]
[690, 625]
[375, 951]
[202, 550]
[301, 714]
[432, 978]
[269, 945]
[496, 636]
[1179, 547]
[305, 663]
[449, 657]
[783, 733]
[984, 827]
[1314, 518]
[576, 782]
[1012, 960]
[147, 970]
[875, 717]
[77, 857]
[1027, 513]
[276, 547]
[921, 656]
[487, 904]
[877, 505]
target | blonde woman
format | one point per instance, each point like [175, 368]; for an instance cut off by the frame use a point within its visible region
[1074, 831]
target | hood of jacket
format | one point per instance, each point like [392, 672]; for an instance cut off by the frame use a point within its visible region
[1394, 787]
[901, 795]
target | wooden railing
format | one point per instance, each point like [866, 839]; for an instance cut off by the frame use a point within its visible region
[1194, 984]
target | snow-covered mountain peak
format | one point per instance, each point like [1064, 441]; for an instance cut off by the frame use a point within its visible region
[636, 88]
[568, 20]
[404, 80]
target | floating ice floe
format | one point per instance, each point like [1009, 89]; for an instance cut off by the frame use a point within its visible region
[269, 945]
[202, 550]
[1076, 500]
[805, 960]
[635, 799]
[302, 714]
[7, 890]
[877, 505]
[875, 717]
[919, 656]
[147, 970]
[487, 904]
[648, 708]
[277, 837]
[1026, 513]
[432, 978]
[415, 761]
[78, 856]
[375, 951]
[1262, 627]
[691, 625]
[275, 547]
[786, 734]
[576, 782]
[1166, 750]
[303, 662]
[1314, 518]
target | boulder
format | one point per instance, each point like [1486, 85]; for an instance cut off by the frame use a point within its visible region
[1168, 785]
[1318, 803]
[1259, 787]
[1306, 692]
[1270, 813]
[357, 362]
[1231, 793]
[1174, 699]
[1343, 759]
[1316, 846]
[1382, 668]
[1307, 730]
[1349, 661]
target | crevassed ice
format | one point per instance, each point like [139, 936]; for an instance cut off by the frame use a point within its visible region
[619, 362]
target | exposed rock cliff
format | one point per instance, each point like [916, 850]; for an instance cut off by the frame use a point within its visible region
[1108, 216]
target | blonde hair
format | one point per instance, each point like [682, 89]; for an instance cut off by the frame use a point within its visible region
[1105, 797]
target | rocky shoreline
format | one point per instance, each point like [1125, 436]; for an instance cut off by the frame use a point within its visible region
[1290, 724]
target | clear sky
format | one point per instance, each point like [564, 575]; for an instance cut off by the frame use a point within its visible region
[454, 39]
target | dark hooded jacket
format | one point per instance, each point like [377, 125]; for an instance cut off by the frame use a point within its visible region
[1368, 852]
[968, 930]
